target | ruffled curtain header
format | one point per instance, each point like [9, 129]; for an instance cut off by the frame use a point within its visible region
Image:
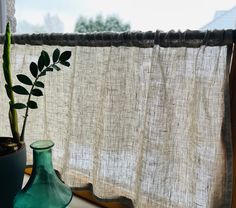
[188, 38]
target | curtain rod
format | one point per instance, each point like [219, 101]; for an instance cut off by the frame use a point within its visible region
[189, 38]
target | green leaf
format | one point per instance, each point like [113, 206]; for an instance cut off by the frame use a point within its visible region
[39, 84]
[20, 90]
[49, 69]
[65, 63]
[56, 67]
[32, 104]
[34, 69]
[37, 92]
[65, 56]
[41, 62]
[6, 55]
[6, 71]
[8, 90]
[19, 106]
[55, 55]
[46, 58]
[43, 73]
[24, 79]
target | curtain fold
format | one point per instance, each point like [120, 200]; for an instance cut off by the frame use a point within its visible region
[232, 86]
[145, 123]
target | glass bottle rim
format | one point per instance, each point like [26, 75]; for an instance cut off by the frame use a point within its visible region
[42, 144]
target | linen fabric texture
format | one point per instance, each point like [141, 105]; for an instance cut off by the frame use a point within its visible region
[151, 124]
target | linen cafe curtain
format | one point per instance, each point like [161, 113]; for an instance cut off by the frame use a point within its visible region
[149, 123]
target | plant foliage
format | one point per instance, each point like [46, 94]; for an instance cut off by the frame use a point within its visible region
[13, 118]
[29, 86]
[43, 66]
[100, 24]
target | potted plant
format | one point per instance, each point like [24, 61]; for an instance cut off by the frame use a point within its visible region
[12, 149]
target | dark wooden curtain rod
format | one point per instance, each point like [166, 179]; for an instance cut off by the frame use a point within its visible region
[189, 38]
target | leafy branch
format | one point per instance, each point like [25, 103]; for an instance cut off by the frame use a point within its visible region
[37, 71]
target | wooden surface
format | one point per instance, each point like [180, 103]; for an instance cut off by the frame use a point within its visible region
[86, 193]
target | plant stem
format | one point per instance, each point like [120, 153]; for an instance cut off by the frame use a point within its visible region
[27, 107]
[22, 136]
[7, 74]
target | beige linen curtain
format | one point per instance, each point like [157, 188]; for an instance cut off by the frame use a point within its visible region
[146, 123]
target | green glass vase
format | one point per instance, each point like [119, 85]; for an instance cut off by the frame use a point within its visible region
[44, 189]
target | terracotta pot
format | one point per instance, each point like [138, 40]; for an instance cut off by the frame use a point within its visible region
[11, 176]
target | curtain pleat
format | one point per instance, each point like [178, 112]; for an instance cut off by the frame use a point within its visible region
[145, 123]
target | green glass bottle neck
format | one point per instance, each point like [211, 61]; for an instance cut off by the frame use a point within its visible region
[43, 159]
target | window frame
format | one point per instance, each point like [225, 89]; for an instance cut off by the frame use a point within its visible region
[3, 15]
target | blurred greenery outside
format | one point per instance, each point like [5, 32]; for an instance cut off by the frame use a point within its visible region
[53, 24]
